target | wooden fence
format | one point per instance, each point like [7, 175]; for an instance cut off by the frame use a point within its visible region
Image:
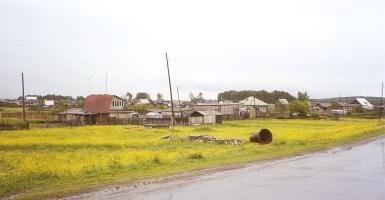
[13, 125]
[31, 115]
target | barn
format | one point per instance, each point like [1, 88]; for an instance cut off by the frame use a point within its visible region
[205, 117]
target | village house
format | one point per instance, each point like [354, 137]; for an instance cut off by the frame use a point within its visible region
[100, 109]
[181, 114]
[142, 101]
[362, 102]
[282, 101]
[31, 101]
[230, 111]
[321, 107]
[77, 117]
[342, 107]
[205, 117]
[255, 107]
[48, 103]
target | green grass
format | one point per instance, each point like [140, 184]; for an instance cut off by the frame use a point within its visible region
[10, 121]
[41, 163]
[11, 109]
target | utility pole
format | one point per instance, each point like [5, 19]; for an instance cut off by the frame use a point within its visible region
[180, 106]
[172, 103]
[382, 105]
[22, 88]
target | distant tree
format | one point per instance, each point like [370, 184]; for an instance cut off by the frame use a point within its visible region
[129, 95]
[281, 107]
[142, 95]
[196, 99]
[299, 107]
[159, 97]
[359, 109]
[302, 96]
[268, 97]
[80, 98]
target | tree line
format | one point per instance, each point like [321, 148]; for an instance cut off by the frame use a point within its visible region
[263, 95]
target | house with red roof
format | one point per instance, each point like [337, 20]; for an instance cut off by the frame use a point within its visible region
[99, 109]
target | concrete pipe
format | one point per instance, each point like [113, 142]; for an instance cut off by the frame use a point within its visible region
[264, 136]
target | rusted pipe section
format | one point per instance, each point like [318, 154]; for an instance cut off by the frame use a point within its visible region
[264, 136]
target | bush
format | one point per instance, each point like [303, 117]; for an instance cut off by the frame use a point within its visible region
[195, 156]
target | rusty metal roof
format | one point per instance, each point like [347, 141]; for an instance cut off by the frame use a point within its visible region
[98, 103]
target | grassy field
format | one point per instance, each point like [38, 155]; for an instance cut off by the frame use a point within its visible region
[11, 109]
[40, 163]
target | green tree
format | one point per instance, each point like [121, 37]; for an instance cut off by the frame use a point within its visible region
[299, 107]
[159, 97]
[359, 109]
[281, 107]
[268, 97]
[196, 99]
[80, 98]
[129, 95]
[142, 95]
[303, 96]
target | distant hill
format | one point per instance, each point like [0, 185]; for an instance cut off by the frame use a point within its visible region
[373, 100]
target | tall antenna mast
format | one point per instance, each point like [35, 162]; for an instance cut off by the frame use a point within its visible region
[22, 88]
[177, 90]
[172, 102]
[382, 105]
[89, 86]
[106, 82]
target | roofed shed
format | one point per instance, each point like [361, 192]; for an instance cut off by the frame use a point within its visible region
[205, 117]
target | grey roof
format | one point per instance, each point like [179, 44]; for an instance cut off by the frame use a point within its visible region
[177, 109]
[252, 101]
[210, 112]
[75, 111]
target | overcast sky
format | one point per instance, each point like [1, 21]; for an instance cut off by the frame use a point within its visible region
[325, 47]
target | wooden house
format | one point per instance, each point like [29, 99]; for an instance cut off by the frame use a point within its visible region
[205, 117]
[230, 111]
[343, 107]
[255, 106]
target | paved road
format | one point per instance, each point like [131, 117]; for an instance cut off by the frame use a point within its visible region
[344, 173]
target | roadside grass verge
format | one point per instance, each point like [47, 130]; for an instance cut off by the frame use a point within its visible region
[40, 163]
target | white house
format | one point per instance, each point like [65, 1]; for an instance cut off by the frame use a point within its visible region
[143, 101]
[362, 102]
[256, 103]
[48, 103]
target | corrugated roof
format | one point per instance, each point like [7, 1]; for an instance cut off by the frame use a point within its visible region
[98, 103]
[363, 102]
[324, 105]
[252, 101]
[210, 112]
[75, 111]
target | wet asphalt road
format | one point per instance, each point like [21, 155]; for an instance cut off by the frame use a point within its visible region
[342, 173]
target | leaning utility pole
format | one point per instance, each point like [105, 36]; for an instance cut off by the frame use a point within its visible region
[382, 105]
[22, 88]
[180, 107]
[172, 103]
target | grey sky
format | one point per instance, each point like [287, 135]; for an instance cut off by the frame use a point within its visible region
[325, 47]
